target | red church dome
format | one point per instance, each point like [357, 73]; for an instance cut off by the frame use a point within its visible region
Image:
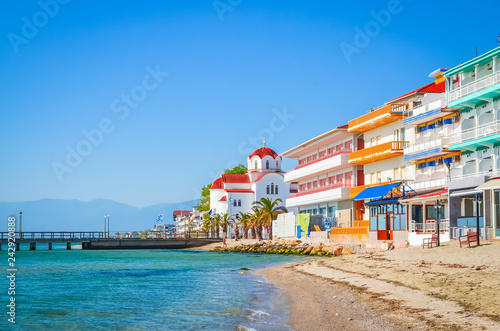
[264, 151]
[217, 184]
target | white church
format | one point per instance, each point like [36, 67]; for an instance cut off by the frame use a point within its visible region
[236, 193]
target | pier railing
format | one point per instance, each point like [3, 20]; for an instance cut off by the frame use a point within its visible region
[55, 235]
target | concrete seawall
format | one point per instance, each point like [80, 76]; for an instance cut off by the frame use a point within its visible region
[147, 243]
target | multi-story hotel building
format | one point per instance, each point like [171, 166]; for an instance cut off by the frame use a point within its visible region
[474, 88]
[385, 171]
[324, 175]
[432, 125]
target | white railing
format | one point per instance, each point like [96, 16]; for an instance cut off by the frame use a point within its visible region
[437, 104]
[475, 86]
[429, 183]
[430, 226]
[479, 131]
[429, 144]
[493, 173]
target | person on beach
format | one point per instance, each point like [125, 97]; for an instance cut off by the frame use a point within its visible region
[224, 245]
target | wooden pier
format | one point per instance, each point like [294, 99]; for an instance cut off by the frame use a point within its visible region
[99, 241]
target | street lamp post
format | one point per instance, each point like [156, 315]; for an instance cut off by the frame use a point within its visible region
[108, 226]
[104, 235]
[477, 200]
[438, 221]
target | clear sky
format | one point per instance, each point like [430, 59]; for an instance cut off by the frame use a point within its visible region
[172, 92]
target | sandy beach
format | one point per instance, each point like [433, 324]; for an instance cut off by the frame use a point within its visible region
[445, 288]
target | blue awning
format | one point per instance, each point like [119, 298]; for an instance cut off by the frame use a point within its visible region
[377, 192]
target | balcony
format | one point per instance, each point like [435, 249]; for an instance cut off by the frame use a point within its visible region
[319, 195]
[379, 152]
[318, 167]
[377, 118]
[470, 94]
[481, 135]
[431, 183]
[436, 146]
[426, 112]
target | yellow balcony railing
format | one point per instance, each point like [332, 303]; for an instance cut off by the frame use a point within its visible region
[378, 117]
[378, 152]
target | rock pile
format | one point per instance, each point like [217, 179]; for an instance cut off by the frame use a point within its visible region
[288, 247]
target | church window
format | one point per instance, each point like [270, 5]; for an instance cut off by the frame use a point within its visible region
[272, 188]
[234, 202]
[277, 165]
[267, 164]
[239, 203]
[255, 165]
[267, 189]
[276, 190]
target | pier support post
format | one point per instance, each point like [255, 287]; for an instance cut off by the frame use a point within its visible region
[50, 246]
[17, 247]
[32, 246]
[68, 246]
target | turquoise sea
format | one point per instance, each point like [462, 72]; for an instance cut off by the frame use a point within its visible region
[142, 290]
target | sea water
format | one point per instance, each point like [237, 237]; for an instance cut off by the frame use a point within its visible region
[142, 290]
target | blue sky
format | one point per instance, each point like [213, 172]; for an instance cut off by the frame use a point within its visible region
[226, 72]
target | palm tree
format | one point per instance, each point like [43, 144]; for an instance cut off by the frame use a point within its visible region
[208, 224]
[256, 223]
[244, 222]
[269, 210]
[225, 222]
[217, 224]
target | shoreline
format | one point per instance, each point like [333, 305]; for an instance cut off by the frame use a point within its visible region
[446, 288]
[316, 303]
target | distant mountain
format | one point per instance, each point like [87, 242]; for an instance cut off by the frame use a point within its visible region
[76, 215]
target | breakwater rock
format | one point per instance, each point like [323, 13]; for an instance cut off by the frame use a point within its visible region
[288, 247]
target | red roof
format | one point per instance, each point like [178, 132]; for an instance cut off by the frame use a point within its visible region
[217, 184]
[229, 178]
[238, 178]
[224, 198]
[261, 176]
[239, 191]
[430, 195]
[263, 151]
[429, 88]
[181, 212]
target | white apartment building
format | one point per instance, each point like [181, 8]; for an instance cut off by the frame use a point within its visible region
[324, 176]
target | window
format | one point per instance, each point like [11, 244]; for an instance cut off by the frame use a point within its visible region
[277, 165]
[372, 178]
[396, 135]
[239, 203]
[267, 189]
[432, 212]
[403, 172]
[235, 202]
[402, 134]
[255, 165]
[276, 190]
[379, 176]
[396, 174]
[267, 164]
[372, 142]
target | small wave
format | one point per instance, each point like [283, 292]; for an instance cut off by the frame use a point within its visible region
[243, 328]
